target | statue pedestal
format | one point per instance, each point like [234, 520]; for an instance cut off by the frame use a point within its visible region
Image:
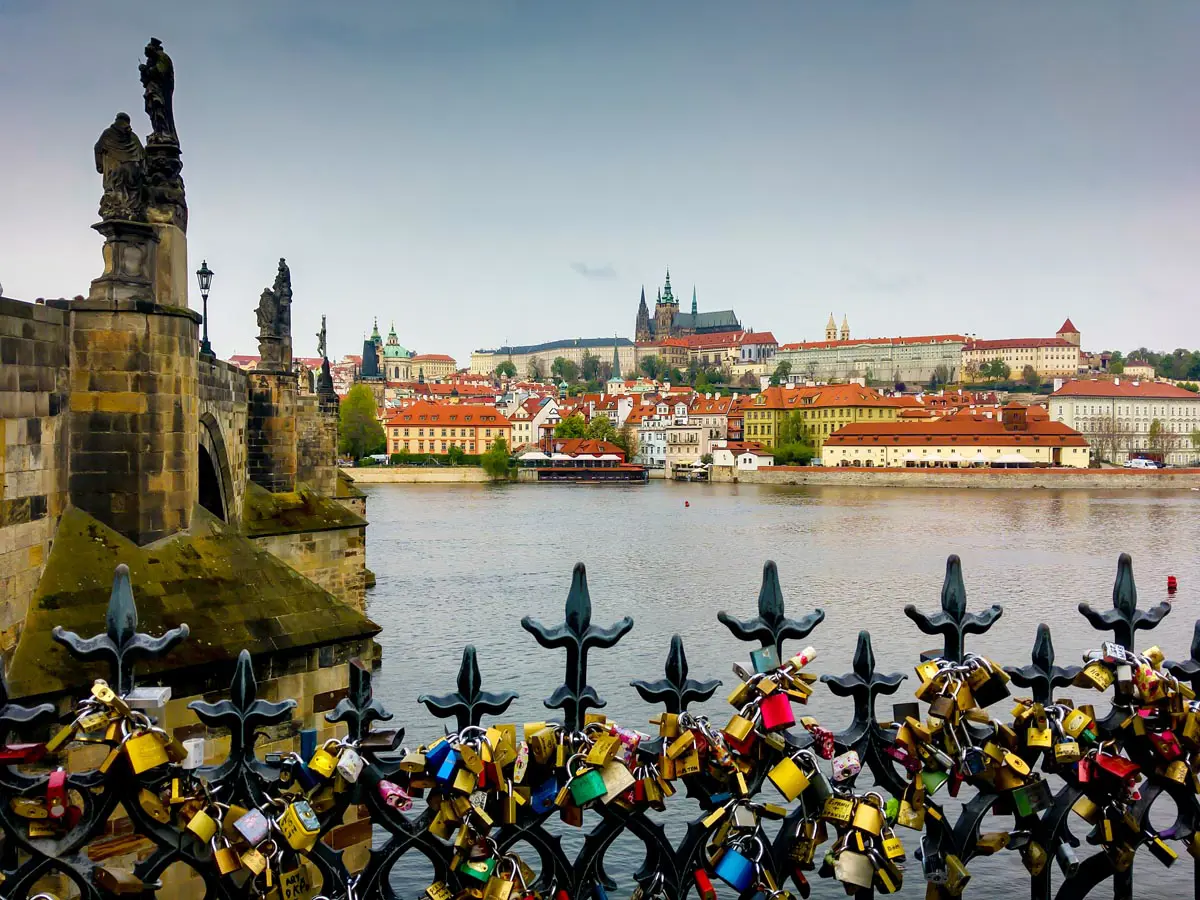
[168, 214]
[129, 262]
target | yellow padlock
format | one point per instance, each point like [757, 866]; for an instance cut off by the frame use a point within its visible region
[145, 752]
[299, 825]
[202, 825]
[789, 779]
[323, 762]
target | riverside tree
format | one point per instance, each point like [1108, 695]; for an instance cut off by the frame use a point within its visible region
[495, 461]
[359, 431]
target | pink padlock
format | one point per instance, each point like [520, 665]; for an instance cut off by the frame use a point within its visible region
[395, 796]
[846, 766]
[776, 709]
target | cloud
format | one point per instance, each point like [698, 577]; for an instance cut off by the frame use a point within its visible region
[603, 273]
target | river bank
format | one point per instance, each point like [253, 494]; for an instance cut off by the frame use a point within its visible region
[418, 475]
[1006, 479]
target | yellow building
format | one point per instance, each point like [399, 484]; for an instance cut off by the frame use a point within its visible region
[1056, 357]
[823, 410]
[432, 365]
[435, 428]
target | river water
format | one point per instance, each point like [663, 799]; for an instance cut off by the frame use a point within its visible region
[462, 564]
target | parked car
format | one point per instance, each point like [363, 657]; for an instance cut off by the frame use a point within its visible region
[1141, 464]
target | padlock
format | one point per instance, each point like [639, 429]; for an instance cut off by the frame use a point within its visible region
[439, 890]
[681, 745]
[735, 869]
[846, 766]
[254, 861]
[789, 779]
[741, 726]
[617, 779]
[1095, 675]
[299, 825]
[776, 712]
[115, 881]
[1033, 855]
[447, 767]
[1067, 752]
[227, 861]
[203, 825]
[500, 885]
[1031, 798]
[542, 798]
[704, 885]
[765, 659]
[1067, 859]
[1177, 771]
[478, 869]
[957, 875]
[1166, 745]
[350, 765]
[145, 751]
[585, 786]
[868, 814]
[253, 826]
[853, 868]
[294, 881]
[838, 810]
[324, 760]
[942, 707]
[394, 796]
[30, 807]
[154, 807]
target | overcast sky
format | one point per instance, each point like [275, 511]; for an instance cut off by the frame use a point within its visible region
[490, 171]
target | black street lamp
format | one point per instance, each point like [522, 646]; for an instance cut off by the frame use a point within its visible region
[204, 275]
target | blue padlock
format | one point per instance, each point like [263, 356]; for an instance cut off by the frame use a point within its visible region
[542, 798]
[765, 659]
[445, 772]
[735, 870]
[435, 755]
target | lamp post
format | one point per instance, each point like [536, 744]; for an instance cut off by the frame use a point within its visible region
[204, 276]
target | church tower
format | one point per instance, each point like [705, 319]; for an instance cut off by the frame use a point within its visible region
[695, 309]
[665, 310]
[641, 330]
[831, 329]
[845, 328]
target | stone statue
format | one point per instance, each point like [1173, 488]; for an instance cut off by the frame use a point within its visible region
[321, 351]
[267, 312]
[275, 322]
[122, 161]
[158, 82]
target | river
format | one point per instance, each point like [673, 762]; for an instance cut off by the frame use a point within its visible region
[461, 565]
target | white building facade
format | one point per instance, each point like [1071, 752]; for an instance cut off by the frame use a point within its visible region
[1118, 418]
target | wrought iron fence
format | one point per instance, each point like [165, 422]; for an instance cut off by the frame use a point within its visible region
[226, 821]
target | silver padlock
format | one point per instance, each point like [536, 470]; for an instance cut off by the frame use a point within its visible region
[851, 867]
[350, 765]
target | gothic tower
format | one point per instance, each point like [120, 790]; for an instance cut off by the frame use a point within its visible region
[694, 307]
[641, 330]
[665, 310]
[845, 328]
[831, 329]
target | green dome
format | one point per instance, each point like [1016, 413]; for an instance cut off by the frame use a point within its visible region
[395, 351]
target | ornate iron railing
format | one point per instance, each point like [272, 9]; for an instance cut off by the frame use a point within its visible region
[33, 849]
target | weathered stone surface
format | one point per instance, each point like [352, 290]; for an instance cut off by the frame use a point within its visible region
[231, 593]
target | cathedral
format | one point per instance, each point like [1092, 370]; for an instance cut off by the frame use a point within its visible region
[669, 322]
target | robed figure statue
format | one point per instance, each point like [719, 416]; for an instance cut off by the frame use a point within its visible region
[158, 82]
[122, 161]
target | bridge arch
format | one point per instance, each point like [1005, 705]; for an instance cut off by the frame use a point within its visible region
[215, 475]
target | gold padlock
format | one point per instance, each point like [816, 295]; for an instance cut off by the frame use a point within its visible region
[145, 752]
[323, 761]
[868, 817]
[202, 825]
[299, 825]
[254, 861]
[154, 807]
[227, 861]
[789, 779]
[739, 727]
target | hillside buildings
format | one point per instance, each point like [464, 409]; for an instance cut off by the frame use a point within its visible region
[1124, 417]
[669, 322]
[426, 427]
[897, 360]
[536, 359]
[1056, 357]
[821, 411]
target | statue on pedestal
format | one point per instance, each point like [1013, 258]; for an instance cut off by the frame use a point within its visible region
[321, 351]
[275, 322]
[122, 161]
[158, 83]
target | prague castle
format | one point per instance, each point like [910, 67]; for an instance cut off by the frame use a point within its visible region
[669, 322]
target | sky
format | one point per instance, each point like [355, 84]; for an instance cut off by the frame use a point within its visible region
[491, 172]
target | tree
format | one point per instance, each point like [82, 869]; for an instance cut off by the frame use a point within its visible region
[564, 369]
[941, 375]
[748, 380]
[782, 371]
[1030, 376]
[455, 455]
[359, 431]
[535, 369]
[506, 369]
[1116, 363]
[702, 385]
[791, 444]
[495, 461]
[971, 371]
[601, 428]
[627, 440]
[706, 459]
[1195, 436]
[591, 366]
[676, 377]
[652, 367]
[573, 426]
[996, 370]
[1158, 438]
[605, 371]
[1107, 439]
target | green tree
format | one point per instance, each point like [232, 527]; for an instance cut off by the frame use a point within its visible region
[591, 366]
[455, 455]
[627, 440]
[781, 373]
[535, 369]
[652, 367]
[506, 369]
[1158, 437]
[564, 370]
[1190, 386]
[495, 461]
[791, 444]
[676, 377]
[1116, 363]
[573, 426]
[706, 459]
[359, 431]
[1030, 376]
[601, 428]
[702, 383]
[941, 375]
[748, 380]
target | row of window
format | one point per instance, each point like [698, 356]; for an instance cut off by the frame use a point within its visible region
[464, 432]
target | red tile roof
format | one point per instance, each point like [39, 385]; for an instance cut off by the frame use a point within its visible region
[1018, 343]
[427, 413]
[1068, 326]
[1127, 388]
[576, 446]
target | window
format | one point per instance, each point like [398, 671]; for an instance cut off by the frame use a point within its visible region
[406, 432]
[420, 432]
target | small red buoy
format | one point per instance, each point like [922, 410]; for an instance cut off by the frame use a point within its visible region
[686, 504]
[1172, 584]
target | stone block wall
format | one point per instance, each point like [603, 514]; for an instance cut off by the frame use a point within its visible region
[33, 457]
[316, 443]
[335, 559]
[134, 418]
[271, 431]
[224, 392]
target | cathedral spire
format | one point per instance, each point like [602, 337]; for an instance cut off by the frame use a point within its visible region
[831, 329]
[641, 328]
[616, 364]
[694, 310]
[667, 296]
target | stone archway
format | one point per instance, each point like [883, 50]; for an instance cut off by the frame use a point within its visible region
[215, 479]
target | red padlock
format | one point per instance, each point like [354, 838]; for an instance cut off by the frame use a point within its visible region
[56, 794]
[395, 796]
[776, 709]
[22, 753]
[823, 742]
[704, 886]
[742, 747]
[1117, 766]
[1167, 745]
